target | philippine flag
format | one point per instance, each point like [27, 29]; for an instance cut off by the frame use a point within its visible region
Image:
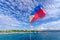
[37, 13]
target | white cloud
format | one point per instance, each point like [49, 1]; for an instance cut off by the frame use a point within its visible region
[7, 22]
[55, 25]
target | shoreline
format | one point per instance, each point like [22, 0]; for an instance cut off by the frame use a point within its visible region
[26, 31]
[14, 33]
[18, 32]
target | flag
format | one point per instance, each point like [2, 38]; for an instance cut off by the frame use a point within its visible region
[38, 13]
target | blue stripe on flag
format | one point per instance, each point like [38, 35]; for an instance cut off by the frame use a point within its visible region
[36, 9]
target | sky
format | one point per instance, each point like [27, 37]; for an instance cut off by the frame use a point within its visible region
[14, 15]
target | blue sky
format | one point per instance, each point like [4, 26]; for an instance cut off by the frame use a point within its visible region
[14, 14]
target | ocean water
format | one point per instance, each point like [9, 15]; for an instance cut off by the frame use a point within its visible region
[34, 36]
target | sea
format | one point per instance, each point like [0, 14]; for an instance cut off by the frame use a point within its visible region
[31, 36]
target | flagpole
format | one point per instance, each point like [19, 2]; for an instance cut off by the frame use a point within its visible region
[30, 31]
[30, 26]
